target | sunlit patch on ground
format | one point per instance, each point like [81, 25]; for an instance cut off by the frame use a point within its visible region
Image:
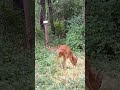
[71, 78]
[71, 72]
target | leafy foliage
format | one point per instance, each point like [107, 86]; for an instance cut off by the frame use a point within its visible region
[67, 8]
[59, 27]
[75, 36]
[101, 29]
[102, 26]
[15, 65]
[65, 24]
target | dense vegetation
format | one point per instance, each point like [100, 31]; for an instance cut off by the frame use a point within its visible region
[15, 65]
[102, 34]
[69, 29]
[102, 24]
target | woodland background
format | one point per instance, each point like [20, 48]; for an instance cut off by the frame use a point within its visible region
[65, 26]
[97, 35]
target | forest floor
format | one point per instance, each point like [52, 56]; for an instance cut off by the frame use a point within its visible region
[71, 72]
[70, 78]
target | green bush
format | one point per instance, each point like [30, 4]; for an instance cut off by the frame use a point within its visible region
[75, 35]
[59, 41]
[39, 36]
[102, 36]
[59, 28]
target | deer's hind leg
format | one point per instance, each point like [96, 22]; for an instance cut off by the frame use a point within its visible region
[64, 61]
[57, 59]
[71, 59]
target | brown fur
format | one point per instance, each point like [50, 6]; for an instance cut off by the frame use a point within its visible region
[65, 52]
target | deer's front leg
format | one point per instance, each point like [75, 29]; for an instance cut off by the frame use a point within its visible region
[64, 62]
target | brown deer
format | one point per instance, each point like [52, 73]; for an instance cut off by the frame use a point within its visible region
[93, 80]
[65, 52]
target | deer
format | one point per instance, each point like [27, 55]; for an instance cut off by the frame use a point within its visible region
[65, 52]
[93, 80]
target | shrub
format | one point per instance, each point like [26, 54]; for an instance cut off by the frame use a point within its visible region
[59, 28]
[75, 35]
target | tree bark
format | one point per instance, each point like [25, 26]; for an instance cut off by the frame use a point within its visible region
[42, 14]
[51, 16]
[46, 34]
[28, 21]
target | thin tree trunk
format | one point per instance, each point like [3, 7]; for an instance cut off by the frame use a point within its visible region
[42, 14]
[28, 20]
[46, 34]
[51, 16]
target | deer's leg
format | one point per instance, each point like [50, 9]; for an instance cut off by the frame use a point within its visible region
[64, 62]
[71, 60]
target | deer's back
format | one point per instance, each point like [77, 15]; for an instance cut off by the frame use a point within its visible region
[65, 50]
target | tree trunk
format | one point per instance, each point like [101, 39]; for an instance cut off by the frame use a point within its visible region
[42, 14]
[28, 21]
[46, 33]
[51, 16]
